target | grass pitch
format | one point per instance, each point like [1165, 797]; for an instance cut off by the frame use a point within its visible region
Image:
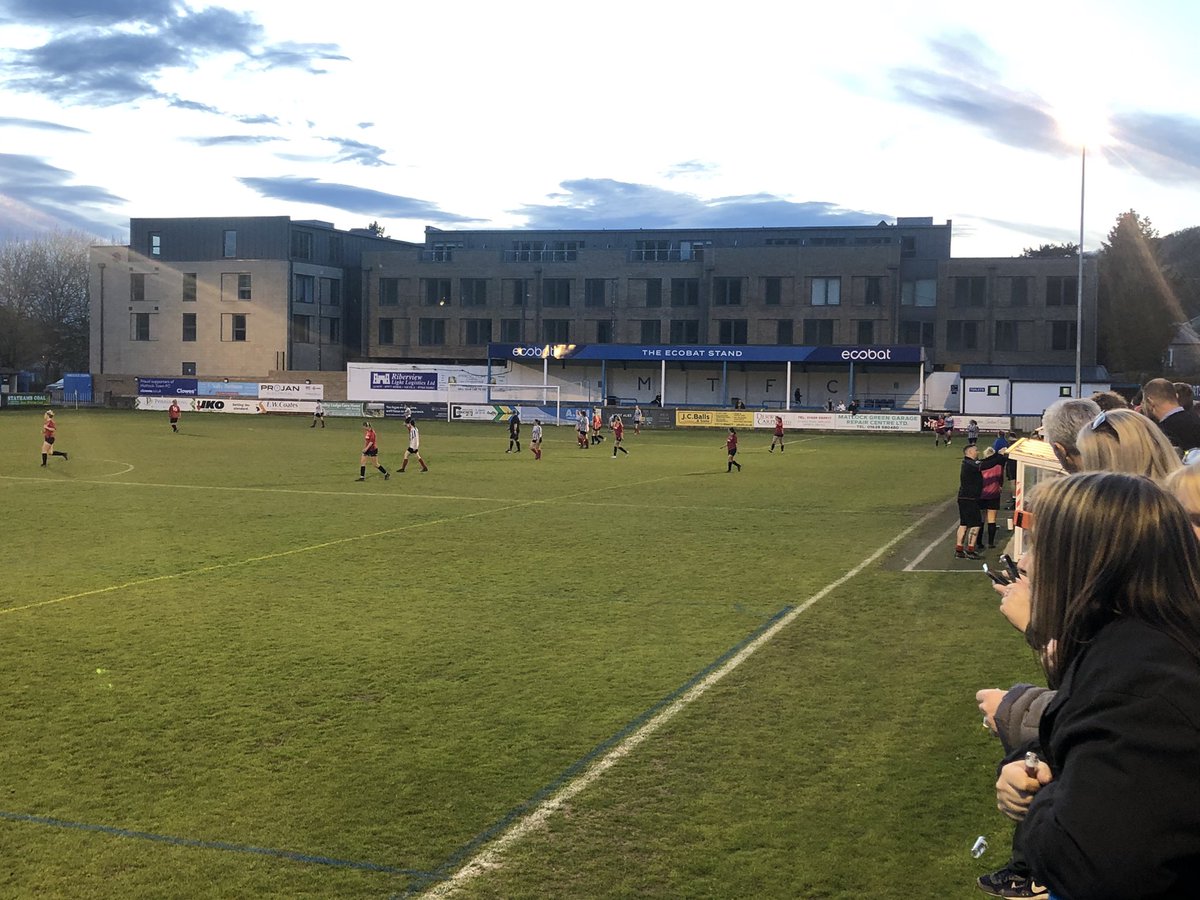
[229, 670]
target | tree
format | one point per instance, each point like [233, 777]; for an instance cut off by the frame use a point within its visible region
[376, 229]
[1051, 251]
[1137, 306]
[44, 303]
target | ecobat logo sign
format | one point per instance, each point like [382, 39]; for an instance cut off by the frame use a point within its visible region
[537, 352]
[867, 354]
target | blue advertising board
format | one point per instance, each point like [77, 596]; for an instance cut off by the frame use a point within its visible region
[228, 389]
[404, 381]
[167, 387]
[767, 353]
[77, 386]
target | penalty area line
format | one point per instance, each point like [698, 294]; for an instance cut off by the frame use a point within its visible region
[489, 847]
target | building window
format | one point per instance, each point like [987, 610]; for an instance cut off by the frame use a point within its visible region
[306, 289]
[527, 251]
[331, 330]
[189, 287]
[188, 369]
[818, 331]
[873, 290]
[301, 329]
[962, 334]
[137, 286]
[826, 291]
[235, 286]
[510, 331]
[302, 245]
[1062, 335]
[604, 331]
[652, 251]
[727, 292]
[229, 244]
[1005, 335]
[773, 291]
[685, 291]
[970, 290]
[389, 291]
[866, 331]
[139, 327]
[233, 326]
[564, 251]
[908, 247]
[651, 331]
[1018, 291]
[1061, 290]
[731, 331]
[685, 331]
[556, 331]
[593, 292]
[785, 331]
[516, 291]
[919, 293]
[443, 251]
[556, 292]
[653, 292]
[477, 332]
[473, 291]
[189, 327]
[387, 331]
[436, 293]
[912, 332]
[155, 243]
[329, 291]
[431, 332]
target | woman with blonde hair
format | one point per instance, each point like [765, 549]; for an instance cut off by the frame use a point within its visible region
[1121, 440]
[1184, 486]
[1110, 804]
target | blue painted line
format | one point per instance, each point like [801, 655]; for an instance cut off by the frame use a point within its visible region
[213, 845]
[425, 880]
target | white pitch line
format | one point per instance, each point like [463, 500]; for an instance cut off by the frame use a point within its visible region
[930, 548]
[489, 857]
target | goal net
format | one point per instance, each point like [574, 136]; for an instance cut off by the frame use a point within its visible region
[546, 399]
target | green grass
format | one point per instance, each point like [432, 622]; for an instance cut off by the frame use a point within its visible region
[221, 639]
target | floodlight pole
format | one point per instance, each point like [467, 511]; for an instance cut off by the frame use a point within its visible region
[1079, 279]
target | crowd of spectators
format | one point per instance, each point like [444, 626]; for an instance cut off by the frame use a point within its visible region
[1100, 766]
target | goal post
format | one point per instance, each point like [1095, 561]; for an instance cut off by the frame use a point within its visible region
[545, 396]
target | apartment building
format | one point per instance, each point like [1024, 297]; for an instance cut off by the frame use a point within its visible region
[225, 295]
[846, 285]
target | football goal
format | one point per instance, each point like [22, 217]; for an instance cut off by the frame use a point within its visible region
[545, 396]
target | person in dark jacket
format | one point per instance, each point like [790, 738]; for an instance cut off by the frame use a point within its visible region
[1161, 403]
[1112, 807]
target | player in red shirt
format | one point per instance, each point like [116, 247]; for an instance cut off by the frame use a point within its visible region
[173, 414]
[370, 452]
[48, 432]
[778, 438]
[731, 449]
[618, 430]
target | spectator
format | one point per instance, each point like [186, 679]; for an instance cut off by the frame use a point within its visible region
[992, 469]
[1061, 423]
[970, 523]
[1160, 402]
[1124, 441]
[1186, 397]
[1114, 807]
[1107, 400]
[1184, 485]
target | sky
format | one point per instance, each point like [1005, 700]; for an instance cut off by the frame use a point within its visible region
[602, 115]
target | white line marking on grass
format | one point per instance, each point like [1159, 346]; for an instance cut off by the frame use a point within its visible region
[929, 548]
[296, 550]
[489, 857]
